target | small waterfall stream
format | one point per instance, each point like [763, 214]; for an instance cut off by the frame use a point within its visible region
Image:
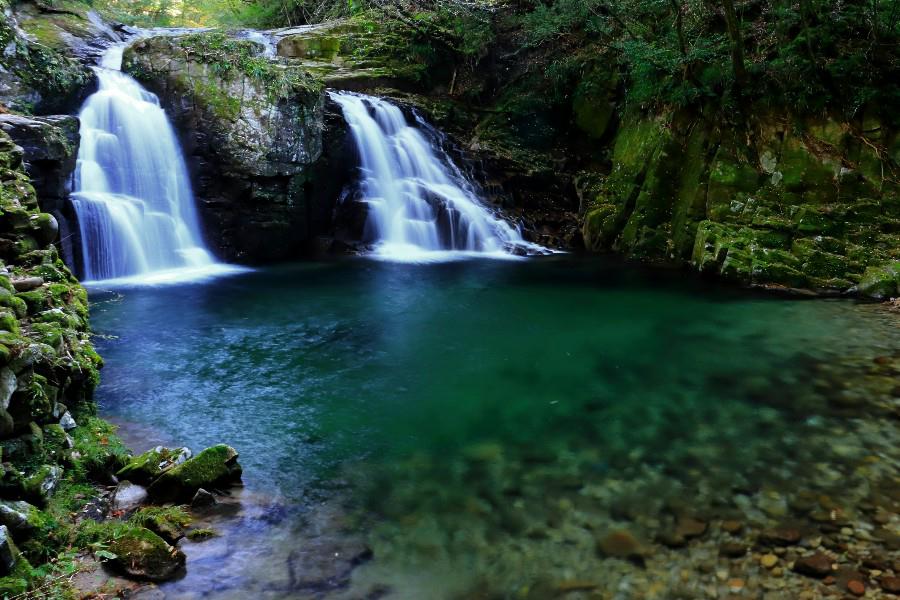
[132, 197]
[420, 205]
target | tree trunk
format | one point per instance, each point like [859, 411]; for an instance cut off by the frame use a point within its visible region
[737, 43]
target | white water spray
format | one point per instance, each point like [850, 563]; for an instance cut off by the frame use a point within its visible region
[421, 206]
[133, 198]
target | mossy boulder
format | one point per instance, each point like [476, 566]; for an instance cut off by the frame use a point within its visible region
[881, 282]
[143, 555]
[43, 483]
[39, 77]
[146, 467]
[21, 518]
[168, 523]
[214, 467]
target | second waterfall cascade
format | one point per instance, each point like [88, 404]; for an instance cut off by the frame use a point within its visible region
[133, 198]
[420, 205]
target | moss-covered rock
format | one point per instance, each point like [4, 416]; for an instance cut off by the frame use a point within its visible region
[353, 54]
[214, 467]
[881, 282]
[142, 554]
[168, 523]
[146, 467]
[775, 207]
[136, 552]
[39, 76]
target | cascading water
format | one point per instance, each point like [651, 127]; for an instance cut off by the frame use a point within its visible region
[420, 205]
[132, 195]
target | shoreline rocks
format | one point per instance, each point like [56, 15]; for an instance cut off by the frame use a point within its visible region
[214, 467]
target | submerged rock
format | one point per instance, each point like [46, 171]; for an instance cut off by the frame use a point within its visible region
[214, 467]
[202, 498]
[142, 554]
[621, 544]
[816, 565]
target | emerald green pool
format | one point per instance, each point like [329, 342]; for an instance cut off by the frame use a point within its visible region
[454, 419]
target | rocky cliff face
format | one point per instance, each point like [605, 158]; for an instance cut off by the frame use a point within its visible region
[251, 128]
[40, 70]
[799, 203]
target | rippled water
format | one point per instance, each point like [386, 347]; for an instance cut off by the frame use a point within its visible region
[423, 431]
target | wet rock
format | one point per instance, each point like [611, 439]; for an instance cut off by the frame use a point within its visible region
[782, 536]
[216, 466]
[202, 499]
[43, 483]
[146, 467]
[768, 561]
[891, 585]
[856, 587]
[257, 142]
[732, 526]
[19, 517]
[8, 384]
[141, 554]
[621, 544]
[9, 554]
[67, 422]
[816, 565]
[128, 497]
[26, 284]
[685, 529]
[733, 549]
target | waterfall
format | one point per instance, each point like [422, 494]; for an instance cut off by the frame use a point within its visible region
[132, 195]
[420, 205]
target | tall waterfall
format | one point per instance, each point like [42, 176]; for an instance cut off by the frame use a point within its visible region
[420, 205]
[132, 195]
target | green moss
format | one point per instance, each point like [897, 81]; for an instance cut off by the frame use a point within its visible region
[199, 535]
[177, 516]
[214, 466]
[881, 282]
[144, 468]
[229, 58]
[102, 452]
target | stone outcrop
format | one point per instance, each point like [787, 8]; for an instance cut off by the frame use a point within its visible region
[345, 55]
[39, 71]
[251, 128]
[50, 146]
[790, 203]
[214, 467]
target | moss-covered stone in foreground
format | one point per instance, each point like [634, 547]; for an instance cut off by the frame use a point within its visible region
[214, 467]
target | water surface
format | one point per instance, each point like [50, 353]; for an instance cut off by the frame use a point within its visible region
[464, 426]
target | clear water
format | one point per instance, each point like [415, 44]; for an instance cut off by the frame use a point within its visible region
[133, 198]
[438, 413]
[420, 205]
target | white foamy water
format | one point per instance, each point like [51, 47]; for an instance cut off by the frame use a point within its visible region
[421, 207]
[136, 211]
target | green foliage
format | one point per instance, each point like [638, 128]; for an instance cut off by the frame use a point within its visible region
[813, 55]
[174, 515]
[102, 452]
